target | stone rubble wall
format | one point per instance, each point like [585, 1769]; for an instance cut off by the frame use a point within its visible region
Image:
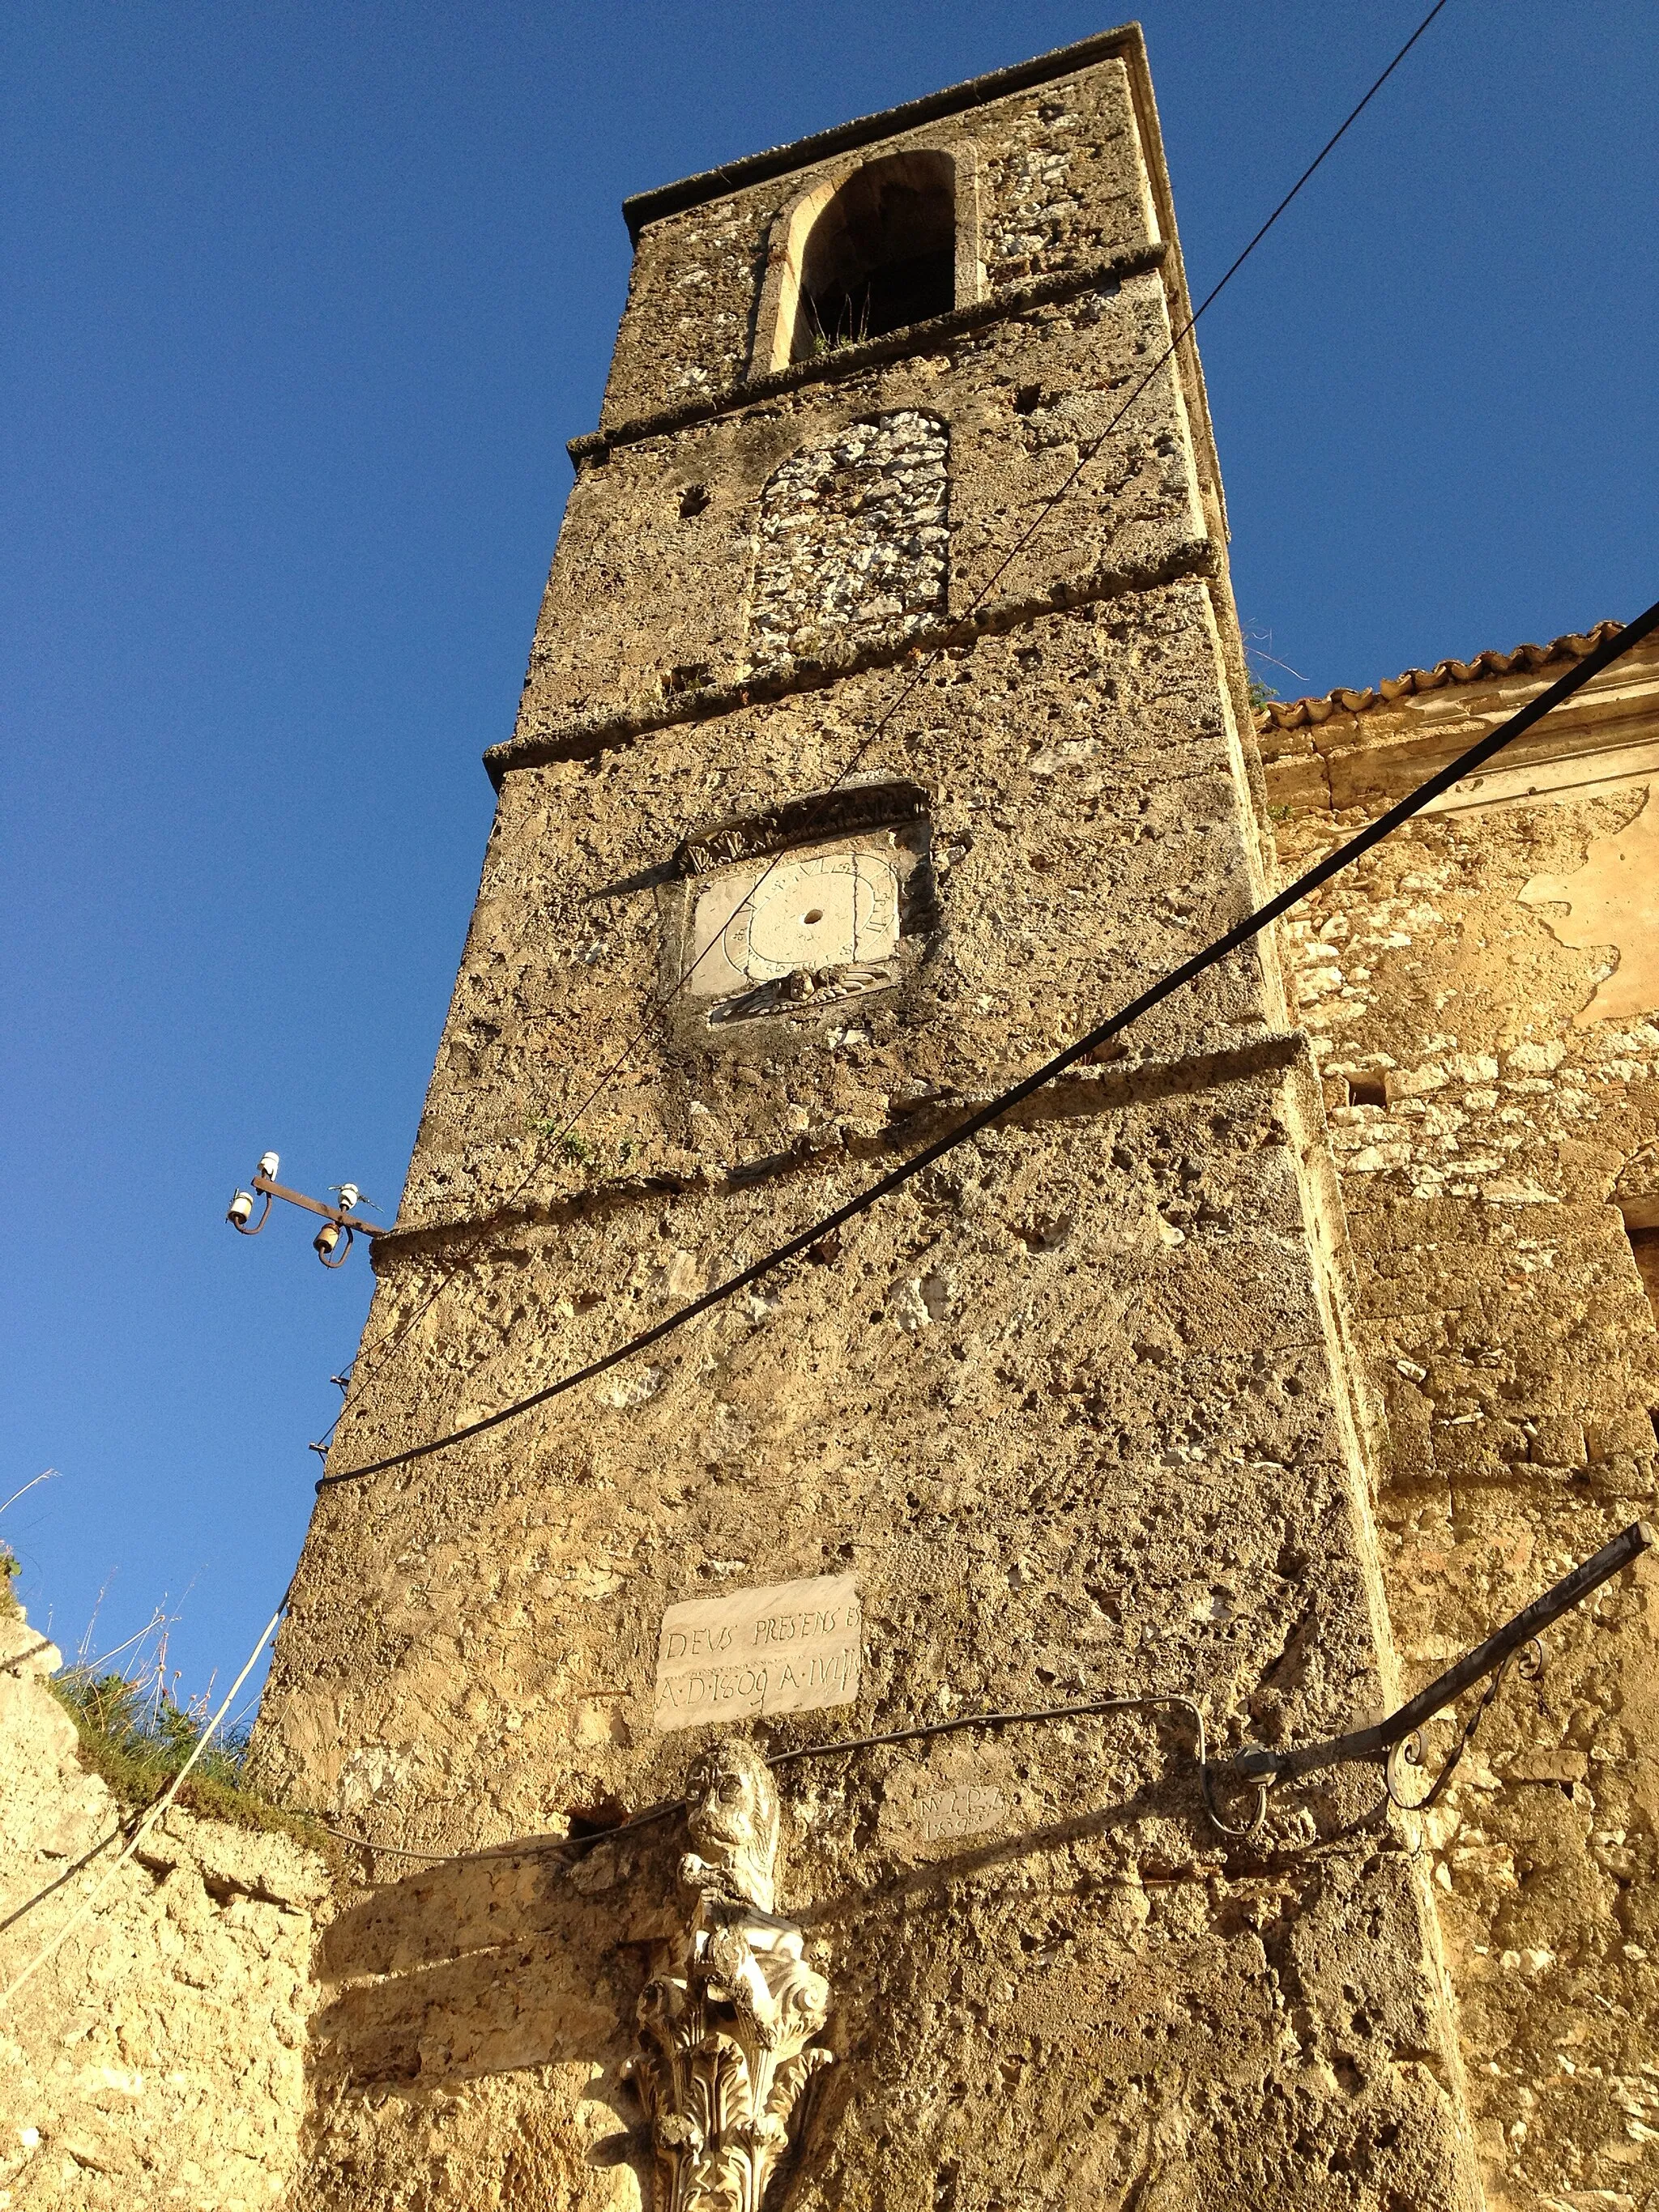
[1508, 1326]
[852, 533]
[159, 2059]
[1033, 209]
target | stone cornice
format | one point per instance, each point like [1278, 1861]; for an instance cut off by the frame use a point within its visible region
[1192, 558]
[1087, 1089]
[915, 338]
[643, 208]
[1357, 756]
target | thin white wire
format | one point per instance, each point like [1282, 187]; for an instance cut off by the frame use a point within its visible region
[46, 1474]
[85, 1911]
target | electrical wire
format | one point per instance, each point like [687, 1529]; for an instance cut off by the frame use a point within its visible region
[84, 1912]
[1156, 1701]
[573, 1850]
[376, 1360]
[50, 1889]
[1343, 856]
[1090, 452]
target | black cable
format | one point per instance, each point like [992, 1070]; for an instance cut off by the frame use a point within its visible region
[68, 1874]
[1240, 934]
[609, 1074]
[1090, 453]
[1155, 1701]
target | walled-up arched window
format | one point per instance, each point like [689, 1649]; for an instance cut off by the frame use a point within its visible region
[852, 534]
[881, 253]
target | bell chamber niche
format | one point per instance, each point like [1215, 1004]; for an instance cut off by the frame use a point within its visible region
[881, 254]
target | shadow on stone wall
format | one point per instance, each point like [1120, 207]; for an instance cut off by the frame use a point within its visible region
[486, 2010]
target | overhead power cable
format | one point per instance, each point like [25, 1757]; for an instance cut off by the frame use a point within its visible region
[1254, 1767]
[1091, 451]
[374, 1358]
[574, 1849]
[995, 1109]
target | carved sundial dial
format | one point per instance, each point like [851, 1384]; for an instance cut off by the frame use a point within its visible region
[819, 912]
[773, 930]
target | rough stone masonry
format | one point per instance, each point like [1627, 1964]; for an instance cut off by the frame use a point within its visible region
[1079, 1414]
[158, 2058]
[1266, 1365]
[1484, 1006]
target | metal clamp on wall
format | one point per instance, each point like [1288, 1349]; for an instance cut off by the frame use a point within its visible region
[1397, 1741]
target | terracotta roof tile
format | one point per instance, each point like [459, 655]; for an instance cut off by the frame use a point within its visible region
[1296, 714]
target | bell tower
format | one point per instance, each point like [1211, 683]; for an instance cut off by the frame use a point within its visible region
[850, 780]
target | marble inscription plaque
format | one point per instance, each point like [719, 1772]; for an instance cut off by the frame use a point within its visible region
[785, 1648]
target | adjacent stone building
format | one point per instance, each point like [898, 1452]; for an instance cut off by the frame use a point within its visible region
[153, 2050]
[1482, 999]
[1251, 1371]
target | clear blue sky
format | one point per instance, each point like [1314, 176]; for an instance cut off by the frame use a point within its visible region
[304, 301]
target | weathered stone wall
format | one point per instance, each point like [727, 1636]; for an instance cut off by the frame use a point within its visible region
[1062, 182]
[1088, 830]
[1450, 987]
[615, 640]
[1075, 1412]
[1057, 186]
[159, 2059]
[1110, 1305]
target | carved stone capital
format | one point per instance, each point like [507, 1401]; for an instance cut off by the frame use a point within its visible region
[727, 2062]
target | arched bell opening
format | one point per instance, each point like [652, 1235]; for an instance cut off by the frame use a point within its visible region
[881, 255]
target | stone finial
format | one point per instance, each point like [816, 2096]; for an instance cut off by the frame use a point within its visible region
[725, 2072]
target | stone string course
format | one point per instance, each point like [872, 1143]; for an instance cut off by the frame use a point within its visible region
[852, 535]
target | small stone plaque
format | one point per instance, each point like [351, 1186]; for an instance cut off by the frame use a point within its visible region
[961, 1796]
[788, 1648]
[951, 1816]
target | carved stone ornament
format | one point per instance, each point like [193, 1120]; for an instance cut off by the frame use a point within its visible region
[727, 2075]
